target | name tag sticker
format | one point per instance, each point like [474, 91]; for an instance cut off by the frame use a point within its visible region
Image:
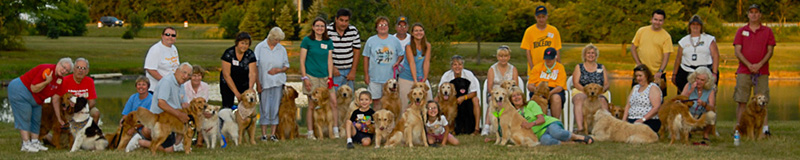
[599, 70]
[235, 62]
[323, 46]
[745, 33]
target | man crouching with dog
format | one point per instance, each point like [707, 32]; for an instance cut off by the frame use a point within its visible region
[166, 98]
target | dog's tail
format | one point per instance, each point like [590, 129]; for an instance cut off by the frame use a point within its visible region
[706, 119]
[226, 114]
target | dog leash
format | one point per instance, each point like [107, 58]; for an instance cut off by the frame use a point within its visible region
[754, 78]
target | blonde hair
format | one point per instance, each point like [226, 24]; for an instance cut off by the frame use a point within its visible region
[142, 79]
[515, 90]
[503, 48]
[703, 70]
[589, 46]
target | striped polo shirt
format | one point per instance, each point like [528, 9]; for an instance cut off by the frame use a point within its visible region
[343, 46]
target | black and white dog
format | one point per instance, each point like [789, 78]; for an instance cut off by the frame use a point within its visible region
[87, 134]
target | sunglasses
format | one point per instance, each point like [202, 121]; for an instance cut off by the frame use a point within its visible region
[171, 34]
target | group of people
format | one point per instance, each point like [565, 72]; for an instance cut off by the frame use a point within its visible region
[330, 54]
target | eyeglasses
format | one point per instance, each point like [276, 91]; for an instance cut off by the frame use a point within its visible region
[319, 26]
[382, 25]
[81, 68]
[171, 34]
[432, 108]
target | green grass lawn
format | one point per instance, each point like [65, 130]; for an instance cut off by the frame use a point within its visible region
[784, 144]
[114, 54]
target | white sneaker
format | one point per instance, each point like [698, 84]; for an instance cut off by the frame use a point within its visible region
[310, 135]
[134, 143]
[335, 132]
[38, 145]
[26, 147]
[177, 147]
[485, 130]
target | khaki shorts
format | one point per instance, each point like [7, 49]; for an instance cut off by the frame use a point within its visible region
[376, 89]
[316, 83]
[744, 85]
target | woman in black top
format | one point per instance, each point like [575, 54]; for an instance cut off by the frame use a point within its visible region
[239, 70]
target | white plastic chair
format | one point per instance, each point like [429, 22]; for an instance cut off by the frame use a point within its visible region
[484, 96]
[567, 110]
[570, 126]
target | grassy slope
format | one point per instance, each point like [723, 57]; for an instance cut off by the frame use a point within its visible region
[783, 145]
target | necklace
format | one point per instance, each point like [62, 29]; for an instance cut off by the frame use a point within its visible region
[699, 41]
[549, 68]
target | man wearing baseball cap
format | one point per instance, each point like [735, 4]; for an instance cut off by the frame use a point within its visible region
[402, 31]
[537, 38]
[753, 45]
[554, 74]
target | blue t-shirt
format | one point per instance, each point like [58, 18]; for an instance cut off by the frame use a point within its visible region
[317, 56]
[134, 103]
[169, 90]
[382, 53]
[419, 60]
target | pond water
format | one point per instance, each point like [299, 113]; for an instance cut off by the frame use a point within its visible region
[784, 103]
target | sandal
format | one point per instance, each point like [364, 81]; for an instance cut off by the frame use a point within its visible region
[586, 140]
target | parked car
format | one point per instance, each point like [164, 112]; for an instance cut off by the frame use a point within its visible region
[111, 21]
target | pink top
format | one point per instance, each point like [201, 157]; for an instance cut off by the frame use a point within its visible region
[754, 47]
[202, 91]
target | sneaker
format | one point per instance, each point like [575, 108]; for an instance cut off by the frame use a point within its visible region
[26, 147]
[263, 137]
[38, 145]
[350, 145]
[134, 143]
[177, 147]
[335, 133]
[273, 138]
[766, 133]
[310, 136]
[485, 130]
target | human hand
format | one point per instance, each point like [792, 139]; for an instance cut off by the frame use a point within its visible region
[259, 89]
[336, 72]
[351, 76]
[183, 117]
[461, 99]
[638, 121]
[527, 125]
[755, 67]
[60, 121]
[366, 80]
[238, 96]
[274, 71]
[307, 85]
[658, 75]
[331, 84]
[48, 77]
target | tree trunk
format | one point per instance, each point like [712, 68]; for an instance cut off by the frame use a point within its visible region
[479, 50]
[624, 49]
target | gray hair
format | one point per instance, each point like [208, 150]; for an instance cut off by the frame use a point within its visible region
[67, 60]
[186, 64]
[84, 60]
[703, 70]
[275, 34]
[456, 58]
[589, 46]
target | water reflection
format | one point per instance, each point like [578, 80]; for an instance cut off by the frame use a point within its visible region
[783, 103]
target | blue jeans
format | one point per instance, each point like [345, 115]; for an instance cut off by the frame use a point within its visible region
[555, 134]
[27, 113]
[342, 79]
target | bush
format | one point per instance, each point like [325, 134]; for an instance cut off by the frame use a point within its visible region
[136, 21]
[128, 35]
[67, 18]
[230, 22]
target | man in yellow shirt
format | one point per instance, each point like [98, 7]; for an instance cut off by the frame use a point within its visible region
[554, 74]
[538, 37]
[652, 46]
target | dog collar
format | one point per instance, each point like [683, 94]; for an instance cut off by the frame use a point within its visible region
[74, 126]
[498, 113]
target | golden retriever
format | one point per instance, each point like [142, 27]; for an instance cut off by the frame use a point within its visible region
[591, 104]
[50, 123]
[163, 124]
[448, 103]
[541, 95]
[511, 122]
[678, 121]
[390, 98]
[287, 112]
[386, 129]
[119, 139]
[344, 95]
[492, 122]
[753, 118]
[509, 84]
[322, 113]
[414, 119]
[246, 115]
[609, 128]
[616, 111]
[209, 128]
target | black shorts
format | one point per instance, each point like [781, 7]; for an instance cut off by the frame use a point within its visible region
[360, 136]
[167, 143]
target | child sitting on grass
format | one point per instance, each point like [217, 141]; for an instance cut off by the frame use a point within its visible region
[358, 126]
[436, 130]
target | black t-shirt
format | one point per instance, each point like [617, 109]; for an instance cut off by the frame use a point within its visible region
[359, 115]
[240, 69]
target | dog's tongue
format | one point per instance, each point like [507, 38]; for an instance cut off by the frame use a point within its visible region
[446, 97]
[207, 115]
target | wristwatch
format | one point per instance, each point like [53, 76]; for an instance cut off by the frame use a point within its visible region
[644, 119]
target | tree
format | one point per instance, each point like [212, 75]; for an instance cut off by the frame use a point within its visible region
[286, 20]
[66, 18]
[11, 26]
[260, 15]
[364, 13]
[476, 21]
[618, 21]
[316, 10]
[437, 17]
[230, 21]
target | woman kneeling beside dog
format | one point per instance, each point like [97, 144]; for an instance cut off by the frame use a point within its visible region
[548, 129]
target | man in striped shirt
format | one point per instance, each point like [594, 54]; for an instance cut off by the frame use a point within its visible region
[347, 48]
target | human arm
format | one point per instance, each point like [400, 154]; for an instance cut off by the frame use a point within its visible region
[36, 88]
[528, 56]
[606, 82]
[356, 57]
[306, 82]
[756, 67]
[253, 75]
[655, 101]
[426, 65]
[412, 65]
[366, 70]
[664, 62]
[56, 99]
[330, 64]
[172, 111]
[678, 61]
[627, 105]
[635, 54]
[714, 57]
[154, 74]
[576, 78]
[489, 80]
[226, 74]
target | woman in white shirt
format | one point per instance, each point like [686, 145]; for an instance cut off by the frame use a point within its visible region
[695, 50]
[644, 99]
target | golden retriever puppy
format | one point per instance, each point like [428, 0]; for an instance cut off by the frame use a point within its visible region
[246, 115]
[511, 122]
[753, 118]
[448, 103]
[344, 95]
[322, 113]
[507, 85]
[609, 128]
[390, 99]
[163, 124]
[678, 121]
[287, 112]
[591, 104]
[616, 111]
[541, 95]
[414, 128]
[386, 129]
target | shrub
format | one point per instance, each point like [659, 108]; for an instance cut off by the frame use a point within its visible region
[230, 22]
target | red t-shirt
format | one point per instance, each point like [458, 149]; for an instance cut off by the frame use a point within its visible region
[37, 75]
[85, 89]
[754, 47]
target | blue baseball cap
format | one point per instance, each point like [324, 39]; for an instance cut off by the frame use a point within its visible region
[550, 53]
[541, 10]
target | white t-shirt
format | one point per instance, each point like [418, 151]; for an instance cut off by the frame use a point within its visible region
[474, 85]
[437, 127]
[403, 42]
[696, 51]
[163, 59]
